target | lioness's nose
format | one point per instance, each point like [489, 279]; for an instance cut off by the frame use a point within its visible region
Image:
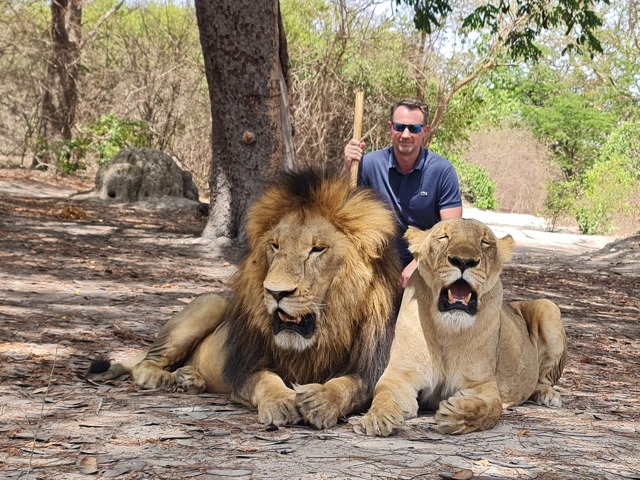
[280, 294]
[463, 263]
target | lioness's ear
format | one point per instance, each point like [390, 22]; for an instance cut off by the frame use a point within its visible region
[505, 248]
[414, 237]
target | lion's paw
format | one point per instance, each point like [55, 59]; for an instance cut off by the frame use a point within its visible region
[382, 420]
[546, 395]
[148, 376]
[316, 405]
[281, 411]
[464, 413]
[189, 380]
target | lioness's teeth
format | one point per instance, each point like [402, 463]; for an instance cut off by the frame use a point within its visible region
[453, 299]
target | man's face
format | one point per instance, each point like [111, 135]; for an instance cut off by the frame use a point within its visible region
[405, 142]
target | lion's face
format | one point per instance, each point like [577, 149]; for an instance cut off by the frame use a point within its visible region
[460, 261]
[304, 256]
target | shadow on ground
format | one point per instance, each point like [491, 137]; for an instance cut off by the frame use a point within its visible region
[80, 279]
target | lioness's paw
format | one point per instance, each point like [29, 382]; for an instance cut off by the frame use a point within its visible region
[546, 395]
[317, 407]
[281, 411]
[382, 419]
[464, 413]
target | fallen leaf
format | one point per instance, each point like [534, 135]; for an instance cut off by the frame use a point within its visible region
[462, 474]
[89, 465]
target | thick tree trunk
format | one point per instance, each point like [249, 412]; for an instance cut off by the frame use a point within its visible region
[60, 90]
[245, 60]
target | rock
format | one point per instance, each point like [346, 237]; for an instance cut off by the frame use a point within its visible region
[142, 174]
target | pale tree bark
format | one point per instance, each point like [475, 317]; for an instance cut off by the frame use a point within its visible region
[60, 89]
[246, 62]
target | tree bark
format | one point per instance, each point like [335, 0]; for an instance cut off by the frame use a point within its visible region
[60, 90]
[246, 62]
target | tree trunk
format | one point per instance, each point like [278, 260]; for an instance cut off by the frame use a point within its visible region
[246, 62]
[60, 90]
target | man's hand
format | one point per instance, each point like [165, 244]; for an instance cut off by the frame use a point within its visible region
[406, 273]
[353, 151]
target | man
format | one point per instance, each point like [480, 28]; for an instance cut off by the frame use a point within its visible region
[420, 186]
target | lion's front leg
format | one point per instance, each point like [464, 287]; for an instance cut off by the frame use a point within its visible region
[276, 404]
[395, 400]
[322, 404]
[470, 409]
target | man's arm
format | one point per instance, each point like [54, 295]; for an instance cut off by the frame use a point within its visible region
[454, 212]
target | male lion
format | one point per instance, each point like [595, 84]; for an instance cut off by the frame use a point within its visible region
[457, 347]
[308, 329]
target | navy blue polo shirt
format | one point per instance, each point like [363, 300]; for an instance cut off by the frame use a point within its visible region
[416, 198]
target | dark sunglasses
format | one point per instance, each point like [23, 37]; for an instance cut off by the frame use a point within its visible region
[413, 127]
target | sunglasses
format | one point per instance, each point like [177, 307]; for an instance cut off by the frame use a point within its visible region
[413, 127]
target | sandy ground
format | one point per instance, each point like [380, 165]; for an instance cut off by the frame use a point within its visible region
[78, 279]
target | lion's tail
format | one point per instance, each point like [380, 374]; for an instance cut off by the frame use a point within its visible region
[102, 369]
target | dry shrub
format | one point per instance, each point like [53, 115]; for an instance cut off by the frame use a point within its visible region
[22, 47]
[323, 109]
[147, 65]
[518, 164]
[144, 64]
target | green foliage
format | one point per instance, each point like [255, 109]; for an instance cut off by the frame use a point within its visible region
[607, 187]
[475, 183]
[624, 141]
[109, 134]
[572, 127]
[429, 14]
[100, 139]
[576, 18]
[67, 154]
[560, 200]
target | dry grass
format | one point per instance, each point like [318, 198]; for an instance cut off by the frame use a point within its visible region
[518, 164]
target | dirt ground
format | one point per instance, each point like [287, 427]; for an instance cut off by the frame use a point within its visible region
[81, 279]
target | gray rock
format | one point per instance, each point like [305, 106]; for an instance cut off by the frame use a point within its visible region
[142, 174]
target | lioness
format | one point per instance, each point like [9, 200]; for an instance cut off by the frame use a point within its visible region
[308, 329]
[457, 347]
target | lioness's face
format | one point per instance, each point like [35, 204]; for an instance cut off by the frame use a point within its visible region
[460, 261]
[304, 256]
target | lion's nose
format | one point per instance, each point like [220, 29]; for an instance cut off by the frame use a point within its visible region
[463, 263]
[280, 294]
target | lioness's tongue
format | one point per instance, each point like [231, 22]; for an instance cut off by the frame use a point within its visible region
[459, 292]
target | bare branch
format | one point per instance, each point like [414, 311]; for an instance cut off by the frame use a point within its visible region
[101, 20]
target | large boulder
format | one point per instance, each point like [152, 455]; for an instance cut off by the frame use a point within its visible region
[142, 174]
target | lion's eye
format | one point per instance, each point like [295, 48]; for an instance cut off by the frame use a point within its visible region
[442, 238]
[318, 249]
[486, 243]
[275, 246]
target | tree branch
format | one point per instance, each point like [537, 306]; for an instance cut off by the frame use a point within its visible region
[101, 20]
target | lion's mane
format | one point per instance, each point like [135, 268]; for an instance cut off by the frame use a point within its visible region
[357, 325]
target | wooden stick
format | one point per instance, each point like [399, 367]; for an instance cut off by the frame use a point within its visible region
[357, 134]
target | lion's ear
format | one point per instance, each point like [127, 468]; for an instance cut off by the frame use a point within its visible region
[414, 237]
[505, 248]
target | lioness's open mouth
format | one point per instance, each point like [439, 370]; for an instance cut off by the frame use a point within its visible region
[303, 326]
[459, 296]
